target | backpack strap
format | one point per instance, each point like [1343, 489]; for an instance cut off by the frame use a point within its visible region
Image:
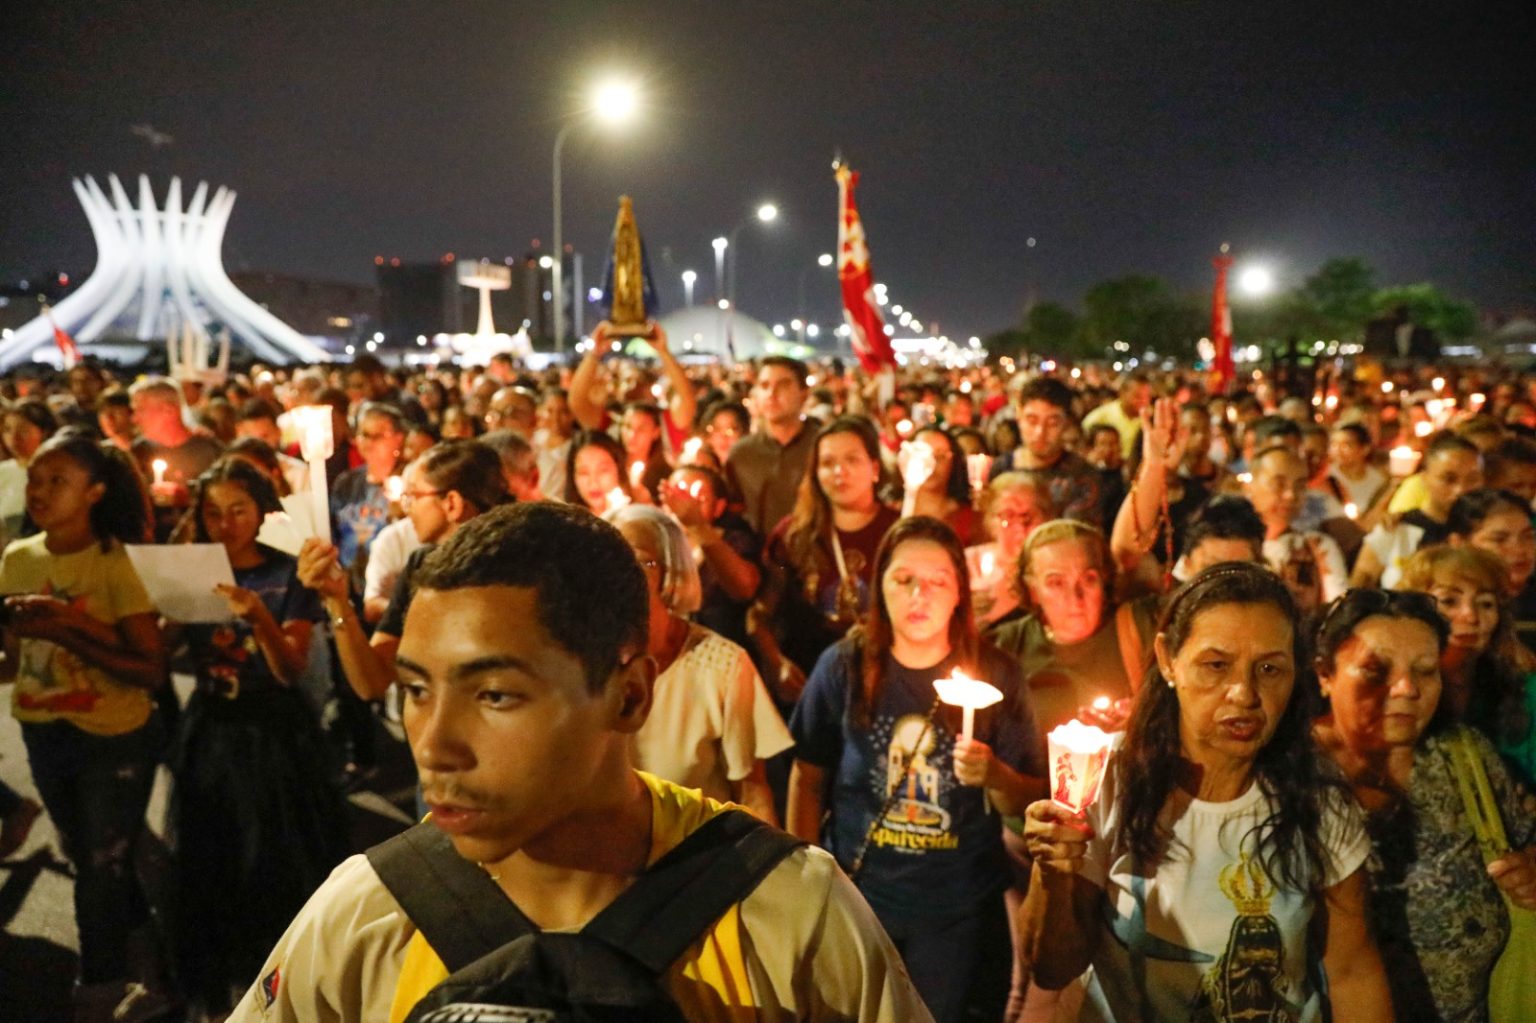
[1132, 650]
[686, 891]
[461, 912]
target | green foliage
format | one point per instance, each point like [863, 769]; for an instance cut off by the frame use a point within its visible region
[1143, 312]
[1428, 307]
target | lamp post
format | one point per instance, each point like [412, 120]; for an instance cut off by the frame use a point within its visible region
[824, 260]
[767, 213]
[613, 103]
[688, 278]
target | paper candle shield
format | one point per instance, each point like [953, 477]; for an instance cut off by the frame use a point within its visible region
[1077, 753]
[969, 694]
[313, 423]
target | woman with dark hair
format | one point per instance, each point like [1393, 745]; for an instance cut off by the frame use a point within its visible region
[1499, 522]
[443, 489]
[1219, 863]
[819, 559]
[946, 493]
[83, 649]
[1487, 675]
[258, 822]
[359, 505]
[594, 469]
[24, 426]
[641, 431]
[906, 798]
[1435, 908]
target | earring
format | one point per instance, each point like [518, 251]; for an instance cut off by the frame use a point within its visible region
[1169, 681]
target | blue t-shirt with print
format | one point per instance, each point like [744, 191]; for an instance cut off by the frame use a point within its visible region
[938, 851]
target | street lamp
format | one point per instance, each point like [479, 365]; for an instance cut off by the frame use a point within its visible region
[688, 278]
[612, 103]
[1256, 281]
[824, 261]
[767, 213]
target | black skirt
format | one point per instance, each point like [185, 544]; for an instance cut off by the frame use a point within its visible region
[259, 824]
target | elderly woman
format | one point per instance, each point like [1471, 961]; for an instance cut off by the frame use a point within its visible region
[1486, 672]
[1075, 645]
[1217, 866]
[712, 723]
[1435, 908]
[1013, 506]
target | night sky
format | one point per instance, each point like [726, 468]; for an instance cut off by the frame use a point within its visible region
[1124, 137]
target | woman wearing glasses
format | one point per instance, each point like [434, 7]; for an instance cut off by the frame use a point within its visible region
[1014, 505]
[1434, 907]
[911, 808]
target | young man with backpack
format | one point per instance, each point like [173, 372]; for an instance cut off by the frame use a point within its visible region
[552, 880]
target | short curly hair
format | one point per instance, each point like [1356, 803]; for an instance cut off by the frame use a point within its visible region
[569, 557]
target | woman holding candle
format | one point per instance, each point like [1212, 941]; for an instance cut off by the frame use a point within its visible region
[1452, 467]
[1014, 505]
[258, 822]
[946, 493]
[1435, 908]
[1218, 853]
[1075, 645]
[819, 560]
[1487, 674]
[594, 474]
[906, 798]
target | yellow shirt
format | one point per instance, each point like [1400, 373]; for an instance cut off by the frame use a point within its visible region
[52, 682]
[803, 946]
[1410, 496]
[708, 982]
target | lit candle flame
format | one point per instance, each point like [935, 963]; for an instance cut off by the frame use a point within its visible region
[636, 473]
[160, 465]
[1351, 510]
[616, 499]
[394, 488]
[692, 448]
[1101, 703]
[969, 694]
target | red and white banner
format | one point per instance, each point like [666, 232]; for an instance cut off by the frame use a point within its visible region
[1223, 369]
[870, 342]
[67, 346]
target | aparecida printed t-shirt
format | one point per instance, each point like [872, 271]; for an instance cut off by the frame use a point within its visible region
[1210, 935]
[937, 852]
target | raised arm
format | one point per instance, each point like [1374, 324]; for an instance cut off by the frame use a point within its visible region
[1162, 446]
[684, 405]
[587, 410]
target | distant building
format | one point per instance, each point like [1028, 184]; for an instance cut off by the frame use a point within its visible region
[426, 299]
[314, 308]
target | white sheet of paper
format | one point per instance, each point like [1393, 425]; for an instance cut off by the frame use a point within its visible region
[180, 578]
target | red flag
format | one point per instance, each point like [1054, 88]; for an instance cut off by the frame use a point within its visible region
[67, 346]
[862, 313]
[1223, 370]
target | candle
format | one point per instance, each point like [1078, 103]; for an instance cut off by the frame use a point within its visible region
[1351, 510]
[1386, 387]
[636, 473]
[976, 469]
[1102, 703]
[904, 427]
[1438, 383]
[1402, 460]
[1478, 399]
[394, 488]
[160, 465]
[692, 448]
[1077, 754]
[1423, 428]
[316, 444]
[960, 690]
[616, 499]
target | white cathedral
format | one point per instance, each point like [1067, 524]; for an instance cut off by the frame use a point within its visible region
[159, 275]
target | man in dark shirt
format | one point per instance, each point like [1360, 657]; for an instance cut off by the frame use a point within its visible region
[1044, 409]
[164, 437]
[766, 466]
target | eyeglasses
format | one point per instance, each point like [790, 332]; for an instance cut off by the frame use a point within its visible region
[409, 497]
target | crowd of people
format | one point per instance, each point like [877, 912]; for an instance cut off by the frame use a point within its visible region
[1305, 606]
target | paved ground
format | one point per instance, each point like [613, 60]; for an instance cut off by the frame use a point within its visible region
[38, 943]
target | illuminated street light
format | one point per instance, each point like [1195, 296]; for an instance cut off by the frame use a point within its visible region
[1256, 281]
[688, 278]
[615, 102]
[612, 102]
[825, 259]
[767, 213]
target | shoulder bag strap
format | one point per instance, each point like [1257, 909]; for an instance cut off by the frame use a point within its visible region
[686, 891]
[461, 912]
[1477, 797]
